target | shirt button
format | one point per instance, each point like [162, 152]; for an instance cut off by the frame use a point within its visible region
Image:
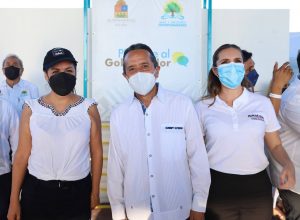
[146, 114]
[151, 176]
[180, 207]
[150, 155]
[153, 196]
[148, 134]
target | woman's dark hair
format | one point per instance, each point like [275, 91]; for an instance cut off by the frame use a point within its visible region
[213, 83]
[140, 46]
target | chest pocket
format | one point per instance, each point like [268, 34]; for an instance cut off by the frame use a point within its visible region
[173, 141]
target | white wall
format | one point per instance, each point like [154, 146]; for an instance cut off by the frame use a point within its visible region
[30, 33]
[265, 33]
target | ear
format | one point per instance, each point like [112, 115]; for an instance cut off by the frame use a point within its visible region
[21, 71]
[156, 74]
[215, 71]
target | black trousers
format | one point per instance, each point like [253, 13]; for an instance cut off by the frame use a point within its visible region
[239, 197]
[291, 203]
[5, 188]
[55, 200]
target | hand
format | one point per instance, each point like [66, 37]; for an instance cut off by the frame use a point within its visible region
[278, 211]
[14, 211]
[281, 77]
[287, 177]
[94, 200]
[196, 215]
[95, 213]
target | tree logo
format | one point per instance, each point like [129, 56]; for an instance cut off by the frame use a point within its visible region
[173, 10]
[172, 15]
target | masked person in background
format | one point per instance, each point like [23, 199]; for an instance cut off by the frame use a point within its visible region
[249, 64]
[9, 133]
[15, 89]
[240, 186]
[58, 163]
[157, 162]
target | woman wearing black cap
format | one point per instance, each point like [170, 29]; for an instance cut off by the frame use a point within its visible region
[59, 146]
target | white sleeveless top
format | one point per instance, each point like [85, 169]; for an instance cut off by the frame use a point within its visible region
[60, 141]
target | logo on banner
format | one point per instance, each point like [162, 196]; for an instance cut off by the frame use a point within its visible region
[172, 16]
[180, 58]
[121, 9]
[120, 16]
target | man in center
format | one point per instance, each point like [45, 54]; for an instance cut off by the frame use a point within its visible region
[157, 165]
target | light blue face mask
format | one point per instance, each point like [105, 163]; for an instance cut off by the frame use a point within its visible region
[231, 74]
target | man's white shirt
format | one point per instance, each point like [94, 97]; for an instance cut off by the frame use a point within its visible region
[17, 94]
[289, 119]
[9, 134]
[157, 165]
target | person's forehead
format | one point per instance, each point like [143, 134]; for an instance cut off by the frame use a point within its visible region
[138, 54]
[12, 60]
[229, 53]
[63, 64]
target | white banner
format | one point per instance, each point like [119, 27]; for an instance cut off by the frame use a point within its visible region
[171, 28]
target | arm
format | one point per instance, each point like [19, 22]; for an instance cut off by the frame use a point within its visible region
[198, 162]
[115, 175]
[96, 154]
[281, 78]
[287, 175]
[20, 164]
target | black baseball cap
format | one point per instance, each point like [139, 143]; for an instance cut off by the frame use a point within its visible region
[57, 55]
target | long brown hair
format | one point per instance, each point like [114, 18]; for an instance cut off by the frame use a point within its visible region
[213, 83]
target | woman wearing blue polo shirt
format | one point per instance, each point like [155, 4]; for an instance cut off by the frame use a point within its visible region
[235, 124]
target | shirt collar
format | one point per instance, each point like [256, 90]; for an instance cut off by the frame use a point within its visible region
[161, 94]
[239, 101]
[20, 83]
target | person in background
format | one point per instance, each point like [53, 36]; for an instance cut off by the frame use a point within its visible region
[235, 124]
[9, 133]
[289, 118]
[58, 163]
[13, 88]
[157, 163]
[249, 64]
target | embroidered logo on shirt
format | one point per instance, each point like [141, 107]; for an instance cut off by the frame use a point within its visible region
[24, 93]
[176, 128]
[256, 117]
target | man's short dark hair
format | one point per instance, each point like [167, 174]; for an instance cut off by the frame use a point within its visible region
[140, 46]
[298, 60]
[246, 55]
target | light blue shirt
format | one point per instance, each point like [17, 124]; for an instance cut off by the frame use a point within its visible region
[17, 94]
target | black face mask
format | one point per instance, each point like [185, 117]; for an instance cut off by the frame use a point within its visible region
[12, 72]
[62, 83]
[253, 76]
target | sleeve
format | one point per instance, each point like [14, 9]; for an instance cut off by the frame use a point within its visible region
[115, 175]
[13, 131]
[198, 160]
[89, 103]
[272, 123]
[290, 113]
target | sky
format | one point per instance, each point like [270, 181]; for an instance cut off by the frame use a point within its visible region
[293, 5]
